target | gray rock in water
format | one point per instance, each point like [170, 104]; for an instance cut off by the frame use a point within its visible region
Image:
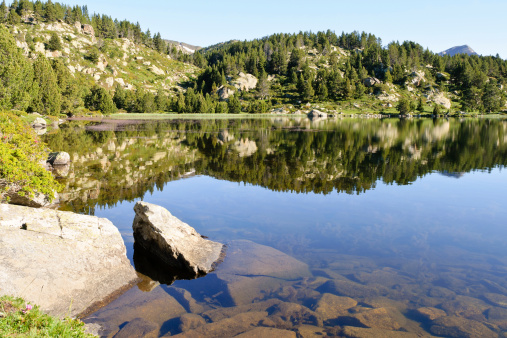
[59, 158]
[64, 262]
[173, 241]
[316, 113]
[39, 123]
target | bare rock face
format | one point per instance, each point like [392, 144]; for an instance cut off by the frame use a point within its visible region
[224, 92]
[370, 81]
[245, 82]
[88, 30]
[39, 123]
[174, 242]
[62, 261]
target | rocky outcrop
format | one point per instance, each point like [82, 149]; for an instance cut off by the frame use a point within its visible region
[15, 195]
[88, 30]
[224, 92]
[174, 242]
[245, 82]
[371, 81]
[440, 99]
[64, 262]
[316, 113]
[39, 123]
[416, 78]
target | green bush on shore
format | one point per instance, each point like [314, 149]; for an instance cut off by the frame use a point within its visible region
[21, 319]
[21, 155]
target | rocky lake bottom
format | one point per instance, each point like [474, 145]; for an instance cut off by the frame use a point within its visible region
[348, 228]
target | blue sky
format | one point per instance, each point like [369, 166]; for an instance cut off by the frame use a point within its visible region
[437, 25]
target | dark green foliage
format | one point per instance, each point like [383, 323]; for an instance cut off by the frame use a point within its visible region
[47, 99]
[54, 42]
[420, 107]
[93, 54]
[234, 105]
[436, 109]
[16, 74]
[99, 99]
[71, 93]
[403, 106]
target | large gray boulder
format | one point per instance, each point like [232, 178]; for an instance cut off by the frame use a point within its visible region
[59, 158]
[66, 263]
[174, 242]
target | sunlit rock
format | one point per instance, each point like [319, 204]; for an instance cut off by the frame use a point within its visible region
[173, 241]
[62, 261]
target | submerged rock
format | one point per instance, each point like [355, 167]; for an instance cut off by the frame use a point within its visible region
[460, 327]
[62, 261]
[173, 241]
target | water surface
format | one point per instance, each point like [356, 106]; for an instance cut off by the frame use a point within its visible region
[346, 227]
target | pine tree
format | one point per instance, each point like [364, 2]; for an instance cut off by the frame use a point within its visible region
[420, 107]
[99, 99]
[262, 85]
[70, 90]
[3, 12]
[403, 106]
[436, 109]
[388, 77]
[16, 82]
[322, 91]
[54, 42]
[234, 105]
[48, 98]
[119, 97]
[308, 91]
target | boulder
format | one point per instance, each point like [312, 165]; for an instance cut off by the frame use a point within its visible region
[361, 332]
[59, 158]
[64, 262]
[251, 270]
[88, 30]
[371, 81]
[316, 113]
[155, 70]
[174, 242]
[15, 196]
[331, 306]
[138, 328]
[460, 327]
[245, 82]
[224, 92]
[39, 123]
[416, 78]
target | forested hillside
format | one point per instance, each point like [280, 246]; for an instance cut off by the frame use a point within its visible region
[60, 59]
[349, 70]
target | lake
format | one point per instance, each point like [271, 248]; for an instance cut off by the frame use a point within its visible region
[341, 227]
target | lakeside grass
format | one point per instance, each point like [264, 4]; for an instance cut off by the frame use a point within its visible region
[21, 319]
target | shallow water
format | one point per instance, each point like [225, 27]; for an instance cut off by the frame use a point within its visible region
[347, 227]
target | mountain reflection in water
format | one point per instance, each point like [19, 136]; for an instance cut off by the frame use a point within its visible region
[402, 250]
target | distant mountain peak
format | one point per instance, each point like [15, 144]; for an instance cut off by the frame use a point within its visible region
[465, 49]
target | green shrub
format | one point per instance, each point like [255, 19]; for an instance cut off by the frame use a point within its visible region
[21, 152]
[21, 319]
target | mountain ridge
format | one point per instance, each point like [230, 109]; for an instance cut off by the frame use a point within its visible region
[464, 49]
